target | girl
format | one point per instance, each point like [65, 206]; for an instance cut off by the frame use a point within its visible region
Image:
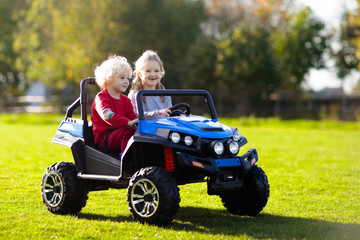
[148, 72]
[113, 115]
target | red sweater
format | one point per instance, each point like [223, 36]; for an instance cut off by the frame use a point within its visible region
[110, 113]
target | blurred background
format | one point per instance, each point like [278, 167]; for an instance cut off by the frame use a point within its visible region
[264, 58]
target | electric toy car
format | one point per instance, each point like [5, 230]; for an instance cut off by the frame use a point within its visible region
[163, 154]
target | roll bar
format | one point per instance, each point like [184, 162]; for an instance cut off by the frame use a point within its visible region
[174, 92]
[82, 102]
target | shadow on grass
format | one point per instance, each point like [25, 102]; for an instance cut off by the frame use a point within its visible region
[220, 222]
[99, 217]
[262, 226]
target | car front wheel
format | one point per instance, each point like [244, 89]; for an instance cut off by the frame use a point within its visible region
[252, 197]
[153, 196]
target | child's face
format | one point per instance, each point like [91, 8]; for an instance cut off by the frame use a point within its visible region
[119, 83]
[150, 74]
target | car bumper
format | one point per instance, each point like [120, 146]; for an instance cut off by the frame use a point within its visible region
[214, 165]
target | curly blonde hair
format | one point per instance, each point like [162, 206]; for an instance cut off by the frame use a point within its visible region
[109, 68]
[147, 56]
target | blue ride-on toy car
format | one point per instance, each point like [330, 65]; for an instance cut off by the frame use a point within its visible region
[163, 154]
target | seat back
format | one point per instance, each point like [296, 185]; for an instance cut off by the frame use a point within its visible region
[89, 135]
[87, 127]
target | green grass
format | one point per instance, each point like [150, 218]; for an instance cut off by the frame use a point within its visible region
[313, 169]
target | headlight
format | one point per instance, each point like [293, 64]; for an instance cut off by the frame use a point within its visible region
[175, 137]
[233, 147]
[188, 140]
[236, 135]
[218, 148]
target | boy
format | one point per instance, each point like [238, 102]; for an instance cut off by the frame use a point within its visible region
[113, 115]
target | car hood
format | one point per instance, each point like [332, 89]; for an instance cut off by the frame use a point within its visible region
[193, 125]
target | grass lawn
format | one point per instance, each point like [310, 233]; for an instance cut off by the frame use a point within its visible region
[313, 170]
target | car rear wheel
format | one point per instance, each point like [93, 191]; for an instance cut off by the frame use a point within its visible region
[252, 197]
[61, 191]
[153, 196]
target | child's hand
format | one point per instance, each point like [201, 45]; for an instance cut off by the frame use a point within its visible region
[165, 112]
[132, 122]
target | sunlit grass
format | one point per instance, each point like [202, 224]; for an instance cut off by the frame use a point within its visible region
[313, 169]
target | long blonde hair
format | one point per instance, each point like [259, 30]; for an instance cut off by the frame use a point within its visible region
[147, 56]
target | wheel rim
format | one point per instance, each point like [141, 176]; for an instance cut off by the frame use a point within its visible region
[52, 189]
[144, 198]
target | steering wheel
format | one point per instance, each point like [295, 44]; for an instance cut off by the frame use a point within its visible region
[175, 112]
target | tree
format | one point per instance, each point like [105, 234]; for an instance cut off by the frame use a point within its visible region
[60, 42]
[350, 38]
[166, 26]
[345, 56]
[11, 79]
[260, 48]
[300, 46]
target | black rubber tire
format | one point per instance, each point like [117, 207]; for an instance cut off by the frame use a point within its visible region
[154, 190]
[252, 197]
[62, 192]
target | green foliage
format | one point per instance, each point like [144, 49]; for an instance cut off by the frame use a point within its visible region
[300, 47]
[258, 54]
[312, 167]
[60, 42]
[346, 58]
[6, 38]
[143, 25]
[12, 82]
[241, 52]
[8, 19]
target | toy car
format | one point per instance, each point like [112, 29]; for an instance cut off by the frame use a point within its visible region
[163, 154]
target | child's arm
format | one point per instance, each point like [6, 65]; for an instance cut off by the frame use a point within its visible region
[106, 113]
[130, 113]
[159, 112]
[166, 111]
[152, 114]
[132, 97]
[132, 122]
